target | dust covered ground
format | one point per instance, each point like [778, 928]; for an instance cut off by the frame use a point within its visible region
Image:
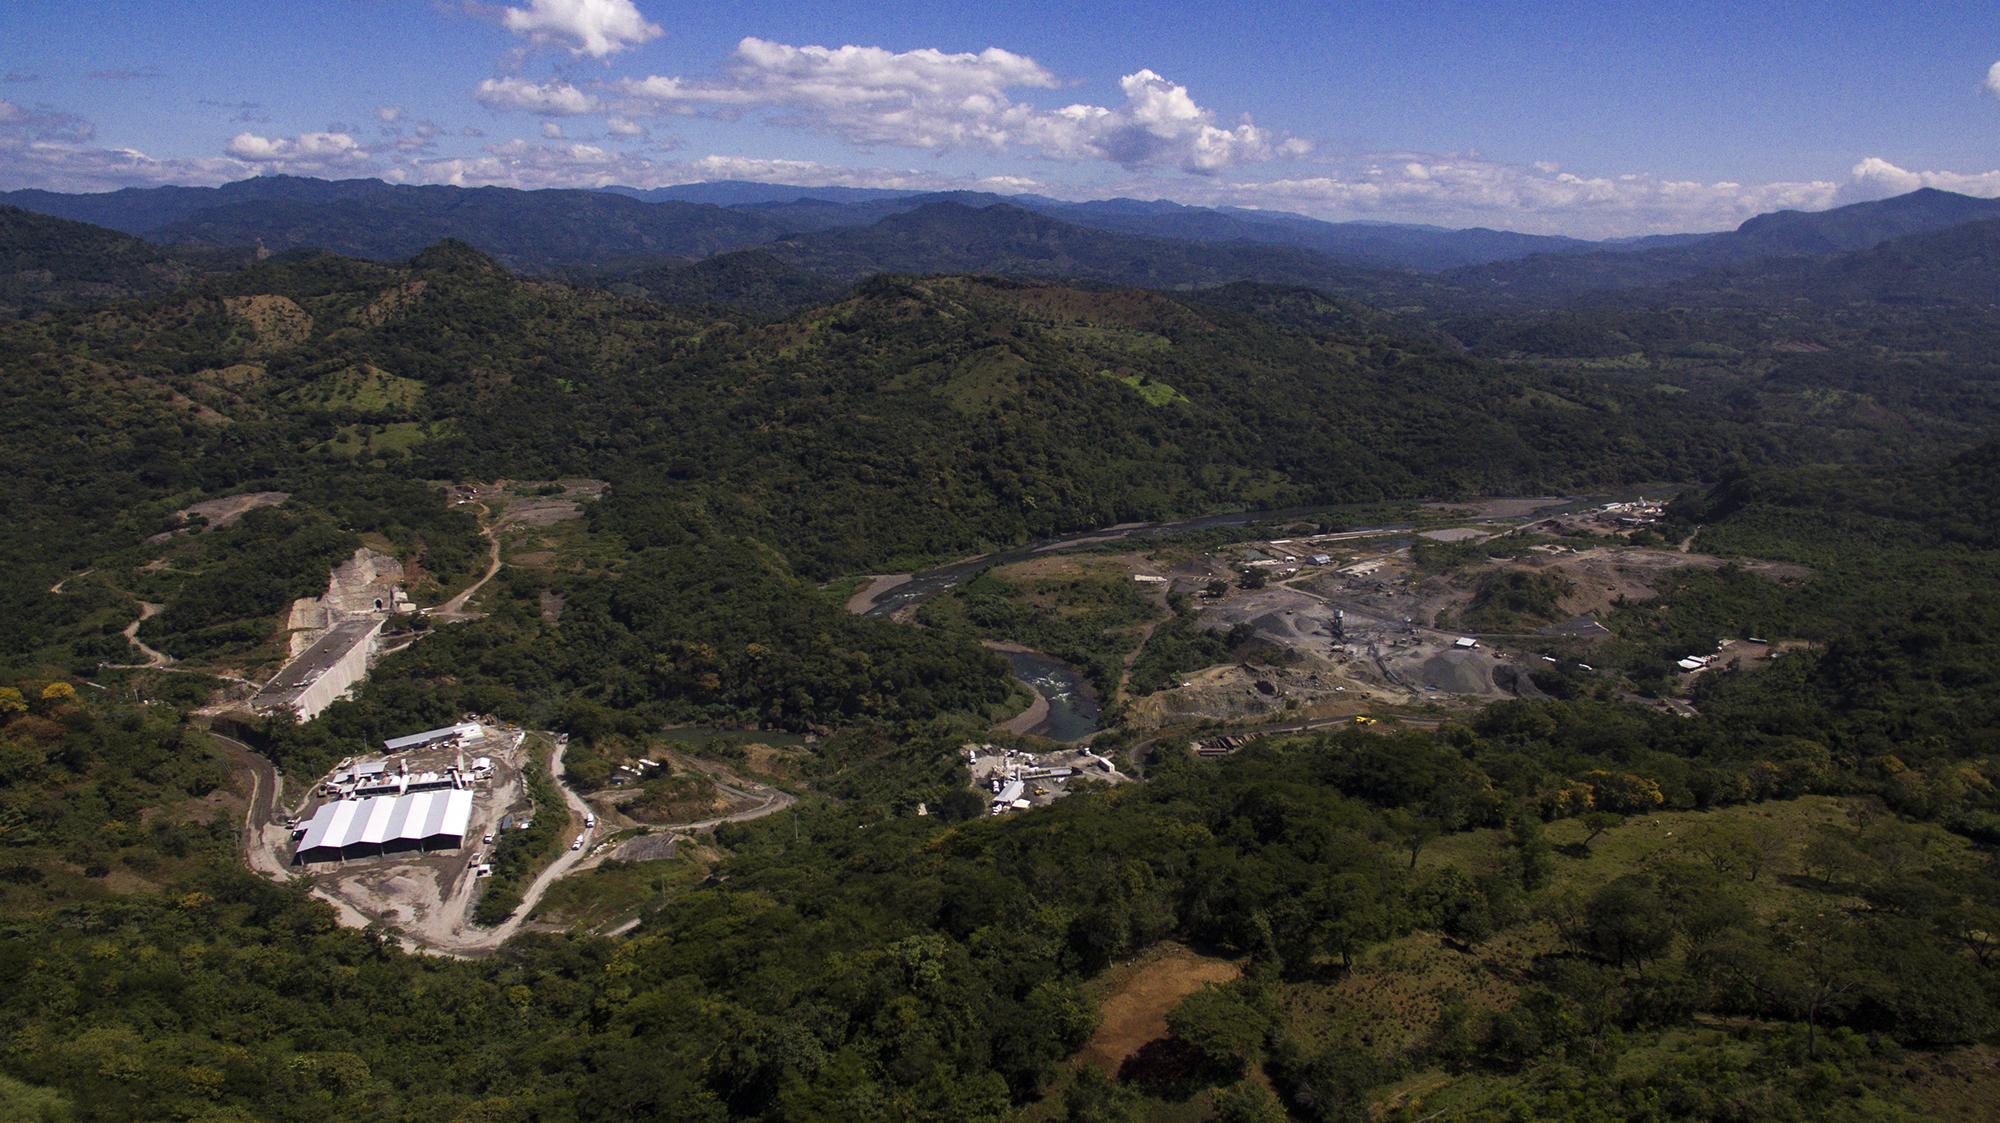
[1370, 630]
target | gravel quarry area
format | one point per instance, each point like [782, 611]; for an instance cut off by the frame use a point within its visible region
[1453, 672]
[1285, 617]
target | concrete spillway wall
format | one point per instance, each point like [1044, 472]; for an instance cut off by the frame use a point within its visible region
[350, 668]
[323, 672]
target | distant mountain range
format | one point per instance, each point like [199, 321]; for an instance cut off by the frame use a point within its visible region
[1957, 265]
[743, 192]
[1545, 279]
[771, 248]
[535, 230]
[527, 230]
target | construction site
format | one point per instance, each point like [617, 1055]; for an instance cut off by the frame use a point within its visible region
[402, 837]
[333, 639]
[1014, 780]
[1357, 623]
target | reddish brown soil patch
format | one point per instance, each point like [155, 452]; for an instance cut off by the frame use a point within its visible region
[1135, 1008]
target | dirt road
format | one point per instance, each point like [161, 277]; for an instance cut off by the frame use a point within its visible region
[449, 932]
[147, 610]
[454, 608]
[774, 800]
[56, 589]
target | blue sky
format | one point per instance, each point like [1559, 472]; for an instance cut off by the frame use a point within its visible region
[1595, 119]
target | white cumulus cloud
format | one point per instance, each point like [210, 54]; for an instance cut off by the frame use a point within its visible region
[1992, 85]
[935, 100]
[327, 154]
[1876, 178]
[866, 95]
[552, 99]
[587, 27]
[250, 146]
[1460, 190]
[526, 164]
[803, 173]
[519, 163]
[1158, 126]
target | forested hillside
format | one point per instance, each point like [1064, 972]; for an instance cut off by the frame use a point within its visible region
[915, 418]
[1736, 918]
[1775, 899]
[49, 263]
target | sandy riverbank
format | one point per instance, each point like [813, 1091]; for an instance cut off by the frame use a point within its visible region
[868, 595]
[1037, 711]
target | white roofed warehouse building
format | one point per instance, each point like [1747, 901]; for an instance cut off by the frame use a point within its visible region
[368, 828]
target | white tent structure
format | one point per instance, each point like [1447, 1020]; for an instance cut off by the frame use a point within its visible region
[366, 828]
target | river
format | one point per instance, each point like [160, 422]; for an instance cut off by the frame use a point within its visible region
[928, 583]
[1073, 713]
[1072, 707]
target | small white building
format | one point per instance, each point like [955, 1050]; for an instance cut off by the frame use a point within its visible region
[1465, 643]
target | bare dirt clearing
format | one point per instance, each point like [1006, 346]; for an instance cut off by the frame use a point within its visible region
[1455, 534]
[730, 798]
[1603, 575]
[1137, 996]
[219, 513]
[648, 848]
[524, 509]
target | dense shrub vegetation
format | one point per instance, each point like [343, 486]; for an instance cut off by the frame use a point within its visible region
[1820, 923]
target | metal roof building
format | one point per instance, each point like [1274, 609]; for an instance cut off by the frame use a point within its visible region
[464, 731]
[365, 828]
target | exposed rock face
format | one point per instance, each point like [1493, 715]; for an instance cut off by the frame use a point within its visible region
[367, 584]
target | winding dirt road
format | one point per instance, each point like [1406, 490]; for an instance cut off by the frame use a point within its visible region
[454, 609]
[774, 802]
[451, 932]
[147, 610]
